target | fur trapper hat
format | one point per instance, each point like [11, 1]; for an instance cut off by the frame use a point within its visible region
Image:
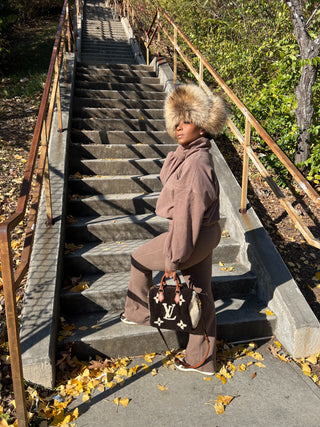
[190, 103]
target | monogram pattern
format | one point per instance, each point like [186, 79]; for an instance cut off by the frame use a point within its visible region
[168, 314]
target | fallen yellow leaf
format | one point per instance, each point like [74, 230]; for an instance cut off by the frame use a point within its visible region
[85, 397]
[122, 371]
[79, 288]
[313, 359]
[222, 378]
[306, 369]
[257, 356]
[261, 365]
[124, 401]
[149, 357]
[269, 312]
[219, 407]
[162, 387]
[224, 399]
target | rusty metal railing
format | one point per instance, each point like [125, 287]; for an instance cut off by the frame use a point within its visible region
[37, 172]
[157, 26]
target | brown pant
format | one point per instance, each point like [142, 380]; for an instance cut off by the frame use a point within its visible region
[196, 271]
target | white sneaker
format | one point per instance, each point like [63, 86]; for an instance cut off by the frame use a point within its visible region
[183, 368]
[126, 321]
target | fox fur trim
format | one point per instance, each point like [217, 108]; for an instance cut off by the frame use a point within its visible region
[190, 103]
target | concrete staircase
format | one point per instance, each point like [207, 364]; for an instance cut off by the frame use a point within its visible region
[117, 147]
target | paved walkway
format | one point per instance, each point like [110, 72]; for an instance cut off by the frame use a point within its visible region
[276, 395]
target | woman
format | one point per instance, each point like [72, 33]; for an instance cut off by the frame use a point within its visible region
[190, 201]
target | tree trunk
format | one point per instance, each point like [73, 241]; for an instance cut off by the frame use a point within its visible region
[309, 49]
[304, 112]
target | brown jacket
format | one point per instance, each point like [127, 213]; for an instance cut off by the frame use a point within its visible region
[189, 198]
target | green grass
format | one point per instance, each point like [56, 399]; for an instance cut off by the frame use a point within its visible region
[25, 69]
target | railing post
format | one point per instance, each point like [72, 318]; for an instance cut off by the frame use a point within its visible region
[46, 176]
[245, 169]
[148, 52]
[175, 60]
[67, 23]
[200, 81]
[13, 326]
[58, 97]
[158, 24]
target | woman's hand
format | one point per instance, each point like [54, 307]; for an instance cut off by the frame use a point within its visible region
[169, 273]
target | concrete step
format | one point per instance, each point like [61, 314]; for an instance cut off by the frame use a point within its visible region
[118, 79]
[115, 166]
[115, 184]
[79, 152]
[113, 204]
[115, 48]
[89, 44]
[95, 60]
[102, 58]
[119, 124]
[87, 104]
[116, 228]
[107, 55]
[120, 113]
[107, 292]
[112, 257]
[119, 94]
[151, 87]
[117, 68]
[96, 73]
[237, 320]
[156, 139]
[101, 30]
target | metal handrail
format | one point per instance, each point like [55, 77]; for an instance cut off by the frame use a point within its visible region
[37, 172]
[250, 122]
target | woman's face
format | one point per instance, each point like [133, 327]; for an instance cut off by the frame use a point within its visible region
[187, 132]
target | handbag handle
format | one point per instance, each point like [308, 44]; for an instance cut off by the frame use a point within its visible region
[164, 283]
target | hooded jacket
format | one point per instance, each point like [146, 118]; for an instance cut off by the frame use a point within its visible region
[189, 199]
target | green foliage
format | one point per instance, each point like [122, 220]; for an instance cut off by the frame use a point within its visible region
[30, 9]
[25, 69]
[253, 48]
[7, 18]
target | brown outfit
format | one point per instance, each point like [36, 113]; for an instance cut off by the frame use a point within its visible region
[190, 201]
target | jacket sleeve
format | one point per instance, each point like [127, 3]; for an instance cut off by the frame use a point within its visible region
[172, 162]
[190, 204]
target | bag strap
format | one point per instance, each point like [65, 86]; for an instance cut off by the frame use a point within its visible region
[181, 361]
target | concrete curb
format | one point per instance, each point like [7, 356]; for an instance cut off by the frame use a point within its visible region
[133, 41]
[41, 301]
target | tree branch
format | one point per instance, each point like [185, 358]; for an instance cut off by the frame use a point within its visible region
[312, 16]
